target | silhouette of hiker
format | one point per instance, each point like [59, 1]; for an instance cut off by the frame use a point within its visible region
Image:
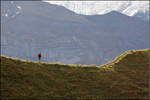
[39, 56]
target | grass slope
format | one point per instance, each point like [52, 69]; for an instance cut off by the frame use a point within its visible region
[126, 77]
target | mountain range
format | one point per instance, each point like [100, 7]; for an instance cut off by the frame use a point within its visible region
[138, 9]
[30, 27]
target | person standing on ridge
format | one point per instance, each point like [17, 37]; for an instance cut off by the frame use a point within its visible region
[39, 56]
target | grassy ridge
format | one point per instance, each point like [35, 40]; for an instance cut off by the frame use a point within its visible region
[126, 77]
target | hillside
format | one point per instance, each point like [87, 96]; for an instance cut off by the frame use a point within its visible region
[126, 77]
[65, 36]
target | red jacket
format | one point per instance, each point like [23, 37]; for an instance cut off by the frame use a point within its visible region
[40, 55]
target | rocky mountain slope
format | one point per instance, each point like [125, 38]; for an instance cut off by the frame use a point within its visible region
[138, 9]
[30, 27]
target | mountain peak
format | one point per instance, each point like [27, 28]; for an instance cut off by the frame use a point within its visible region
[115, 13]
[129, 8]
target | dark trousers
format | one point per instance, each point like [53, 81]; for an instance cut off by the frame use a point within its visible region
[39, 58]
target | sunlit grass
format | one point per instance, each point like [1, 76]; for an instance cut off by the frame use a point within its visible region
[125, 77]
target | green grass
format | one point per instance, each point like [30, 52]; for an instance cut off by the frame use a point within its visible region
[126, 77]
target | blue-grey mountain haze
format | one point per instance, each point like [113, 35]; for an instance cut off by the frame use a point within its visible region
[28, 28]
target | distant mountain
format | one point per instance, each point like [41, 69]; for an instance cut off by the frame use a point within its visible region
[138, 9]
[29, 27]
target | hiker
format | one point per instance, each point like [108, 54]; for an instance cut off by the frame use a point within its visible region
[39, 56]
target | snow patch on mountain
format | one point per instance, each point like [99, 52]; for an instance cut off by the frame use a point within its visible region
[19, 7]
[129, 8]
[8, 13]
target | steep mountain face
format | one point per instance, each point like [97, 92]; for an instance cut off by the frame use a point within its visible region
[63, 36]
[138, 9]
